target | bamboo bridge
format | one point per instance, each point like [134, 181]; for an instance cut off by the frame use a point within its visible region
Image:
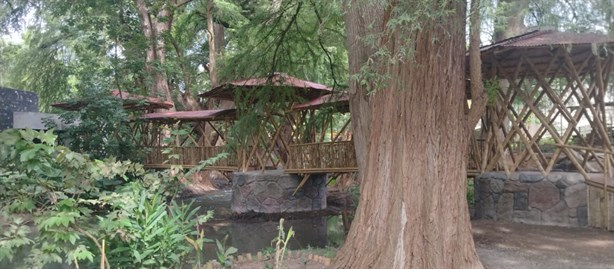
[547, 113]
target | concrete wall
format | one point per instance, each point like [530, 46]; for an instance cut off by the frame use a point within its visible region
[36, 121]
[12, 100]
[271, 192]
[529, 197]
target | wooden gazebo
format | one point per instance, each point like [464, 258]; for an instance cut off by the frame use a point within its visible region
[547, 107]
[184, 138]
[273, 126]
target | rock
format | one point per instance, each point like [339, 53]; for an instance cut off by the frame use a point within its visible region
[573, 213]
[528, 217]
[270, 205]
[505, 207]
[557, 215]
[521, 201]
[239, 179]
[582, 216]
[555, 177]
[494, 175]
[543, 195]
[515, 186]
[482, 186]
[576, 195]
[530, 177]
[572, 179]
[496, 185]
[488, 208]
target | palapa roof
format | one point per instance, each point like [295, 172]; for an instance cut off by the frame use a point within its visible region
[540, 47]
[198, 115]
[339, 100]
[130, 102]
[305, 89]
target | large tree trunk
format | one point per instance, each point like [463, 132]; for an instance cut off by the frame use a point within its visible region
[413, 212]
[358, 19]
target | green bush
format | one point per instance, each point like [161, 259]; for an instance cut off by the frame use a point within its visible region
[100, 128]
[60, 206]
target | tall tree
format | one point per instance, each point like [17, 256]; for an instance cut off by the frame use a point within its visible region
[156, 20]
[509, 18]
[412, 211]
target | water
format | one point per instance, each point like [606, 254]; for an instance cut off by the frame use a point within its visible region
[252, 236]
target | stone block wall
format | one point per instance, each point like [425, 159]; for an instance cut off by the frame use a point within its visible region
[15, 101]
[529, 197]
[271, 192]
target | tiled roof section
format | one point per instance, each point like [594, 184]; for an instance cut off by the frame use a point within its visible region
[338, 99]
[210, 115]
[550, 37]
[303, 88]
[151, 100]
[130, 102]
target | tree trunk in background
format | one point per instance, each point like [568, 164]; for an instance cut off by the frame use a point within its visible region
[511, 22]
[154, 26]
[412, 211]
[211, 40]
[479, 98]
[218, 33]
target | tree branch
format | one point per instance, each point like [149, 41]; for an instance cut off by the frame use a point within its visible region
[330, 60]
[90, 236]
[283, 35]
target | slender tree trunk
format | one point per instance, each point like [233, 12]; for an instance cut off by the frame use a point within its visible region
[479, 98]
[412, 211]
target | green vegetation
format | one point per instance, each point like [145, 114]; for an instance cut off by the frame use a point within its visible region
[100, 129]
[223, 253]
[59, 206]
[281, 243]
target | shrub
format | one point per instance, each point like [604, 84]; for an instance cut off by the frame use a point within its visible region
[63, 207]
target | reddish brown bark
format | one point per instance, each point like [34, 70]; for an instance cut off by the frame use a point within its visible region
[413, 211]
[357, 21]
[154, 26]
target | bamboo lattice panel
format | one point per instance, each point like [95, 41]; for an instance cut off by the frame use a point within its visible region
[549, 116]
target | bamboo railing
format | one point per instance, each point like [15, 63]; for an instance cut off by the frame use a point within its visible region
[189, 157]
[325, 157]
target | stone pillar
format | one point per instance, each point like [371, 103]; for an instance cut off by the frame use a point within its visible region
[271, 192]
[529, 197]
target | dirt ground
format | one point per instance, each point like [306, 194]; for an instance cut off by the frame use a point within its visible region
[503, 245]
[512, 245]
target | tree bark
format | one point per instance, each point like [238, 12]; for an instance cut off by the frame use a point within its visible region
[412, 211]
[154, 26]
[511, 22]
[357, 19]
[211, 40]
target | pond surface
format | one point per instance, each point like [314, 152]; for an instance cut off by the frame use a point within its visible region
[255, 234]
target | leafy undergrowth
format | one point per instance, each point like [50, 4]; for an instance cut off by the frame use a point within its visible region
[61, 207]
